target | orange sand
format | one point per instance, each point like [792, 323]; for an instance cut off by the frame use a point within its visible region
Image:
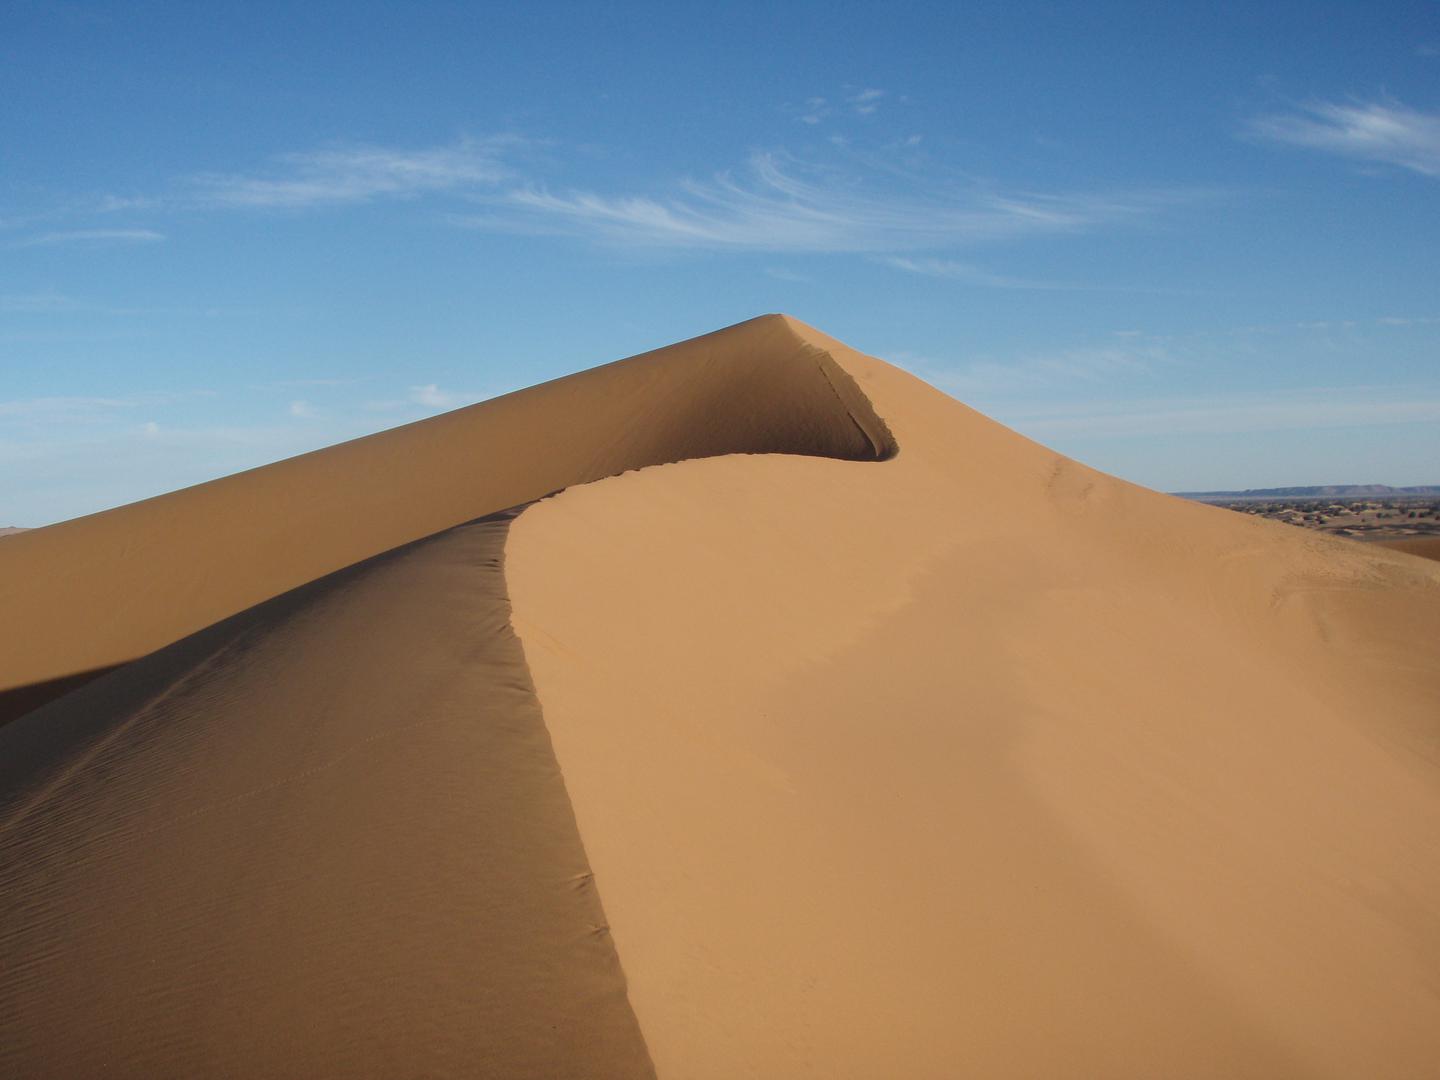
[958, 760]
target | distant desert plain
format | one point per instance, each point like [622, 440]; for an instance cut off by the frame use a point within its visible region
[744, 708]
[1402, 519]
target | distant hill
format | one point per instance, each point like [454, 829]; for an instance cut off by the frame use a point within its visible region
[10, 529]
[1327, 491]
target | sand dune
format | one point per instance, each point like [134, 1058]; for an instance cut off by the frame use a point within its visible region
[893, 744]
[144, 575]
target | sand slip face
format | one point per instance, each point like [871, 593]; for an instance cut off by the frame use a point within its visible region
[977, 762]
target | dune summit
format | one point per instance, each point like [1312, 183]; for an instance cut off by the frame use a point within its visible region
[809, 723]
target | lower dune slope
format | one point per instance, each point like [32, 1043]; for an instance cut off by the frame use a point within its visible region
[982, 763]
[326, 837]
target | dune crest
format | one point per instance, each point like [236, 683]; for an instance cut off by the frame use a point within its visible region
[141, 576]
[892, 742]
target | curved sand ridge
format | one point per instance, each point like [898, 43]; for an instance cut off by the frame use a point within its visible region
[976, 762]
[85, 595]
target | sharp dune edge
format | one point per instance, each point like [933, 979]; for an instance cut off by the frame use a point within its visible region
[792, 756]
[144, 575]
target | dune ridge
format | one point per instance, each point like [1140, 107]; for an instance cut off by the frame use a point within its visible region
[972, 761]
[141, 576]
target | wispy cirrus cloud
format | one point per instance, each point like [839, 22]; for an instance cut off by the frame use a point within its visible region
[971, 274]
[812, 111]
[91, 236]
[1385, 132]
[359, 174]
[866, 102]
[432, 397]
[1408, 320]
[780, 205]
[86, 409]
[1059, 370]
[776, 202]
[39, 303]
[967, 273]
[1318, 408]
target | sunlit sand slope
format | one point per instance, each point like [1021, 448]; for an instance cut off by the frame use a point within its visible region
[981, 763]
[87, 594]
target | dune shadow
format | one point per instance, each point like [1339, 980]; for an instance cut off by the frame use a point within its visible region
[19, 700]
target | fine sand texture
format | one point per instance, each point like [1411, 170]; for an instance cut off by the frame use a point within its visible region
[1427, 547]
[325, 837]
[818, 726]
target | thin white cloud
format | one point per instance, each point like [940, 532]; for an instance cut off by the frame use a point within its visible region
[302, 410]
[287, 383]
[70, 409]
[1027, 374]
[92, 236]
[780, 207]
[780, 273]
[970, 274]
[432, 397]
[776, 203]
[358, 174]
[1297, 410]
[60, 408]
[964, 272]
[111, 204]
[1400, 320]
[1389, 133]
[813, 111]
[866, 102]
[37, 303]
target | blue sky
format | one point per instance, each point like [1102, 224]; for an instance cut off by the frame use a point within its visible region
[1196, 248]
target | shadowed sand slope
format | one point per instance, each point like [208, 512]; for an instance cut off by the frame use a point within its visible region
[326, 837]
[141, 576]
[966, 761]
